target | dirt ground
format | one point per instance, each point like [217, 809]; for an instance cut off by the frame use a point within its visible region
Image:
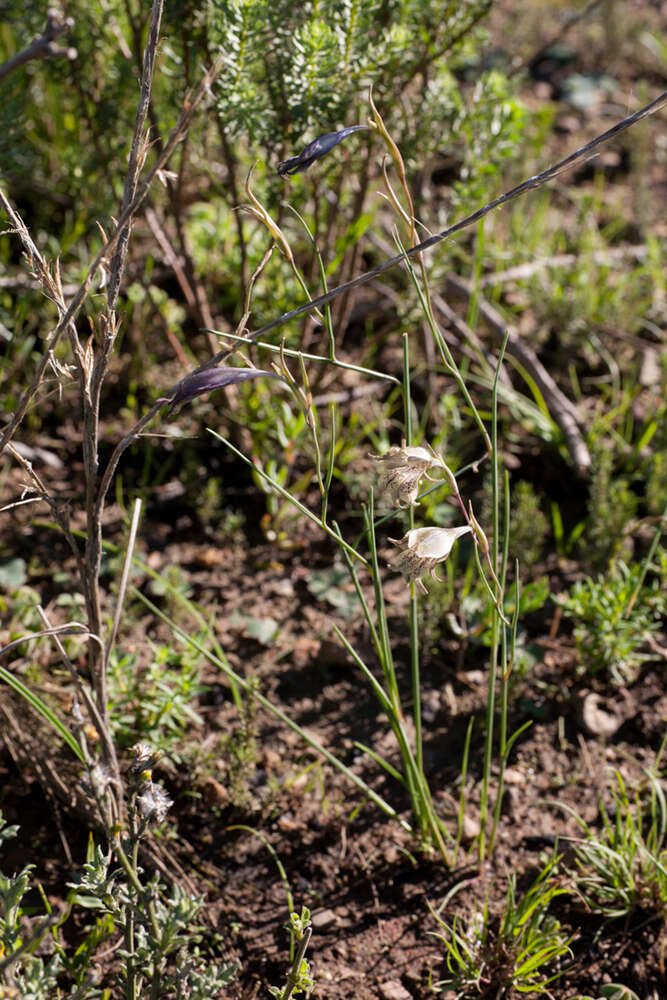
[371, 890]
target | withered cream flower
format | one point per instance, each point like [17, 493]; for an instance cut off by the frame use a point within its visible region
[422, 549]
[400, 472]
[144, 758]
[153, 803]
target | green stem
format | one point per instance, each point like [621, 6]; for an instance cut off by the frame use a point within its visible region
[414, 607]
[331, 462]
[497, 622]
[462, 796]
[508, 663]
[445, 353]
[291, 352]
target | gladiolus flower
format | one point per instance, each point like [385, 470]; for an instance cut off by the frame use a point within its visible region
[401, 470]
[422, 549]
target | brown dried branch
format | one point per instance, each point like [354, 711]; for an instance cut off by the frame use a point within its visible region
[138, 151]
[563, 411]
[44, 46]
[75, 305]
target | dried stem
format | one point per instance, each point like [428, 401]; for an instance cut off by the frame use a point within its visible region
[532, 182]
[75, 305]
[137, 151]
[92, 360]
[44, 46]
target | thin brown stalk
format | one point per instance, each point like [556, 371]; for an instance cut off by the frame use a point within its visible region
[99, 262]
[95, 371]
[138, 151]
[531, 183]
[44, 46]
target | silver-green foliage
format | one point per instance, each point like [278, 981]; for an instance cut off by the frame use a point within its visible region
[300, 66]
[306, 68]
[159, 926]
[35, 977]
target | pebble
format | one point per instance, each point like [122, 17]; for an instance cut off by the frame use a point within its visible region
[393, 990]
[323, 918]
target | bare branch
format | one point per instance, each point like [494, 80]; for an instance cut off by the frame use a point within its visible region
[532, 182]
[137, 151]
[75, 305]
[44, 46]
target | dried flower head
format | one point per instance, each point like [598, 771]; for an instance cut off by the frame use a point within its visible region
[97, 782]
[400, 472]
[144, 758]
[422, 549]
[153, 803]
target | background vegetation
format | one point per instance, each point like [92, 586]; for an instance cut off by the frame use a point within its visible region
[225, 611]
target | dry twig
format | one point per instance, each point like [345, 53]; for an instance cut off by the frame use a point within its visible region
[98, 263]
[45, 46]
[561, 409]
[536, 181]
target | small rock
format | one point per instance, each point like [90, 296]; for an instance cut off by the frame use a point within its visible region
[215, 793]
[650, 371]
[513, 776]
[469, 828]
[272, 759]
[450, 699]
[594, 719]
[474, 677]
[287, 824]
[323, 918]
[393, 990]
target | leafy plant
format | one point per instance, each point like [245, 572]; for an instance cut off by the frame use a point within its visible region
[239, 748]
[299, 976]
[611, 509]
[155, 703]
[624, 868]
[489, 957]
[161, 954]
[614, 618]
[529, 526]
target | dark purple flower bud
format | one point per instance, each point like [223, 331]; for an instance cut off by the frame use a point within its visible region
[318, 147]
[213, 378]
